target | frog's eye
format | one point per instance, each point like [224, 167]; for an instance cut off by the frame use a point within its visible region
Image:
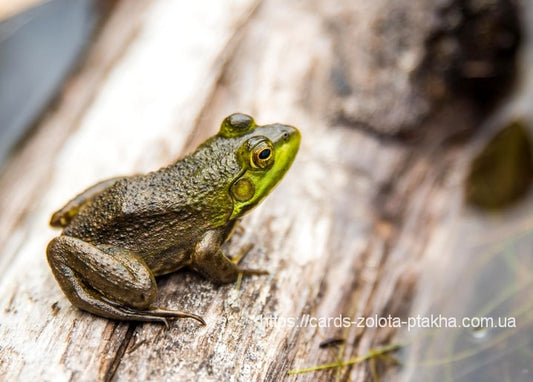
[262, 155]
[236, 124]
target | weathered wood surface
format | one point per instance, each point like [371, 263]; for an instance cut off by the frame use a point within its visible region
[341, 235]
[10, 8]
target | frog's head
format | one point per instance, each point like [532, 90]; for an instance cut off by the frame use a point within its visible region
[264, 153]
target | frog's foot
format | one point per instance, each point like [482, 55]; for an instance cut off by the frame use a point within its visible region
[107, 281]
[174, 314]
[240, 256]
[153, 314]
[85, 300]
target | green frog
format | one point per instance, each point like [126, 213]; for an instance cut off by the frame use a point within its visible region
[119, 234]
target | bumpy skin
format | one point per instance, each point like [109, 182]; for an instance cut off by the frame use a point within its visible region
[121, 233]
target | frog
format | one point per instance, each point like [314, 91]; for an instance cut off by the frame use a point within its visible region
[120, 234]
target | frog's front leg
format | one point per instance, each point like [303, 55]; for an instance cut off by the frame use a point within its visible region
[107, 281]
[209, 260]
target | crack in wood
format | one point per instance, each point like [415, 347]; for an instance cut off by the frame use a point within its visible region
[108, 369]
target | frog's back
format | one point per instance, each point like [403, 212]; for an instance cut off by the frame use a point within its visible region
[169, 207]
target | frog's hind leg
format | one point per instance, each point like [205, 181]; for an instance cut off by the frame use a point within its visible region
[107, 281]
[62, 217]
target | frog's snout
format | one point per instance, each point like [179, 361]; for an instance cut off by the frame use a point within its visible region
[286, 134]
[291, 135]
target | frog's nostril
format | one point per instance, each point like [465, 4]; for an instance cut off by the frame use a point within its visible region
[285, 136]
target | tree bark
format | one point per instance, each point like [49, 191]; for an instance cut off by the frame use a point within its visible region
[373, 191]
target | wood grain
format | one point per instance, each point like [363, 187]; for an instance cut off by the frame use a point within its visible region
[342, 236]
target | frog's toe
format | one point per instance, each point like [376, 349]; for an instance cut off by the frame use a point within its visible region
[249, 272]
[152, 314]
[174, 314]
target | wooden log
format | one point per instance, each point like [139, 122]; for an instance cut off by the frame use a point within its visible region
[341, 236]
[11, 8]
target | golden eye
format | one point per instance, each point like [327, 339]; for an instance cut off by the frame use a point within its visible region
[262, 155]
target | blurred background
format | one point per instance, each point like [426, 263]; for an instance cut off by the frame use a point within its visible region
[41, 42]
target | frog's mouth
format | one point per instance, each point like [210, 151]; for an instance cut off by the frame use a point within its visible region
[255, 184]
